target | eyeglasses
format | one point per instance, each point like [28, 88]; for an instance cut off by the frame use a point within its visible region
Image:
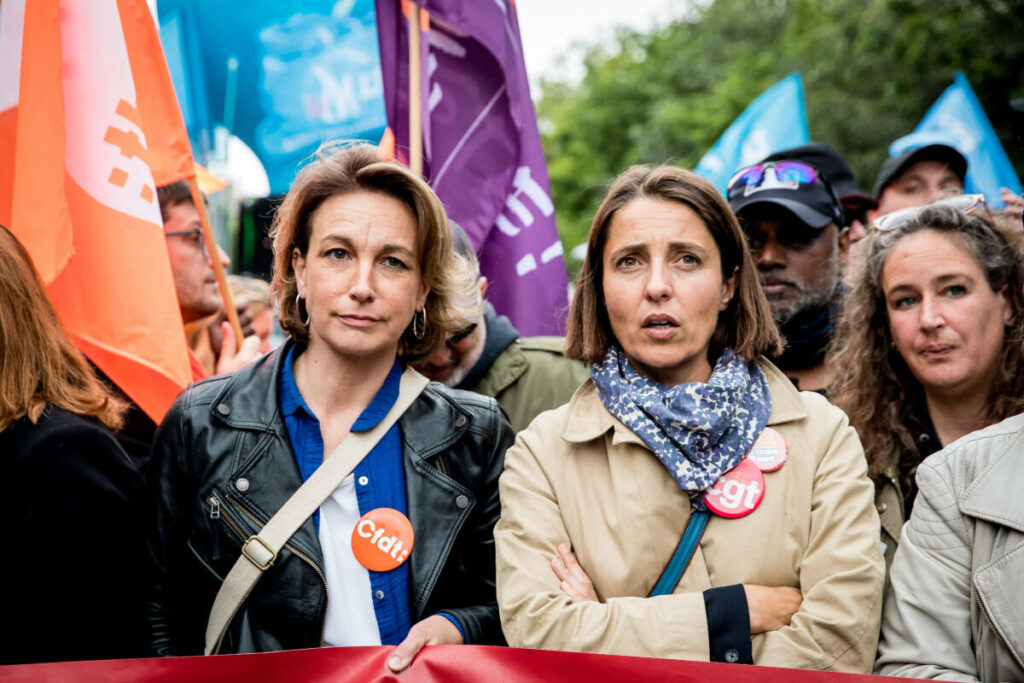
[193, 236]
[964, 203]
[780, 174]
[461, 334]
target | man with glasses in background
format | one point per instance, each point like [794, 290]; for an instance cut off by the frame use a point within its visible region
[525, 375]
[199, 300]
[195, 283]
[792, 218]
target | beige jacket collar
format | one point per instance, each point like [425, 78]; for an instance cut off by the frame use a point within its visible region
[587, 418]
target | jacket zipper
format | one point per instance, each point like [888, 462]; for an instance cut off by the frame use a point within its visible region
[442, 465]
[294, 551]
[215, 515]
[988, 622]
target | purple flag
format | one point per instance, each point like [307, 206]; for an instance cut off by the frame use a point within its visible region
[483, 155]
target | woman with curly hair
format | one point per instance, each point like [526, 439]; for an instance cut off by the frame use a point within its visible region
[929, 344]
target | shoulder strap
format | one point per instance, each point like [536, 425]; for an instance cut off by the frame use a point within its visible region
[260, 550]
[683, 554]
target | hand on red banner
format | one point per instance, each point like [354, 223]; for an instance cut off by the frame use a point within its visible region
[434, 630]
[231, 358]
[575, 581]
[771, 607]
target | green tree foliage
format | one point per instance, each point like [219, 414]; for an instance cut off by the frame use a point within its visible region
[871, 69]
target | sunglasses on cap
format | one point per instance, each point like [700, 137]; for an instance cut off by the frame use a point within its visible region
[772, 175]
[964, 203]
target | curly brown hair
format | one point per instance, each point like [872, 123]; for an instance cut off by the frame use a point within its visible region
[746, 325]
[874, 385]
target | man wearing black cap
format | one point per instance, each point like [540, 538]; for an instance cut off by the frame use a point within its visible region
[856, 203]
[919, 176]
[792, 218]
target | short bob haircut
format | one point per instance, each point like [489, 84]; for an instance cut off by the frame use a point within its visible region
[342, 168]
[746, 325]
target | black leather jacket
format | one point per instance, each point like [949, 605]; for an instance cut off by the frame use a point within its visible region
[223, 465]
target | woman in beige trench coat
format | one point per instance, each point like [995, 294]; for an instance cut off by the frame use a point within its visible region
[596, 494]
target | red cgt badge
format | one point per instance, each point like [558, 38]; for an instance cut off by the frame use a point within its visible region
[738, 492]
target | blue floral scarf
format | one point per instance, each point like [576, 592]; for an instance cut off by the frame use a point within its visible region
[699, 431]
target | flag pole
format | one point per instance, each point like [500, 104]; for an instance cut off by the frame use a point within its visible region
[415, 92]
[214, 251]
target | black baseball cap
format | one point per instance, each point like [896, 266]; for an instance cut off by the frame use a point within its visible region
[814, 204]
[831, 163]
[895, 166]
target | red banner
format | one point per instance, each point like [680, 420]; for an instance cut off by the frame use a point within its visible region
[449, 663]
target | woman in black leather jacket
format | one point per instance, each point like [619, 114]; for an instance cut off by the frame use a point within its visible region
[69, 585]
[363, 278]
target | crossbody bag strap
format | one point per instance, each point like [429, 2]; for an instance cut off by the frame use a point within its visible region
[260, 550]
[684, 553]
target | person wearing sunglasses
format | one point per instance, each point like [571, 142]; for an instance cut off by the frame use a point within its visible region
[928, 347]
[792, 219]
[527, 375]
[856, 202]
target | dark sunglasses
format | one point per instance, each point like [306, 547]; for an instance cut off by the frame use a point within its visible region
[964, 203]
[461, 334]
[770, 175]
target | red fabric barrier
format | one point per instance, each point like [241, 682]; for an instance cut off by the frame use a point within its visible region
[449, 663]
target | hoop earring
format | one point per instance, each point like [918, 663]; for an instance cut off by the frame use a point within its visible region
[298, 310]
[421, 317]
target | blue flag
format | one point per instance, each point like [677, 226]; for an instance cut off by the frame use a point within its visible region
[957, 119]
[284, 76]
[775, 121]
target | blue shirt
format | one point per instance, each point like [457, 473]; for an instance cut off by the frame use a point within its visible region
[379, 478]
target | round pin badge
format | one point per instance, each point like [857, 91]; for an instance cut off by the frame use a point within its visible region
[769, 451]
[382, 539]
[738, 492]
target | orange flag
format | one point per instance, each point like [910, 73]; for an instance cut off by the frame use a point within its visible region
[89, 126]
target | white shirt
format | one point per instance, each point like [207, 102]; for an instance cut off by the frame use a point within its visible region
[351, 619]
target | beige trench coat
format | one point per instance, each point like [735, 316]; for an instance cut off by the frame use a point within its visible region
[579, 476]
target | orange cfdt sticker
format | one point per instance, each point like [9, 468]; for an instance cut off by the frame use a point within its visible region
[382, 539]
